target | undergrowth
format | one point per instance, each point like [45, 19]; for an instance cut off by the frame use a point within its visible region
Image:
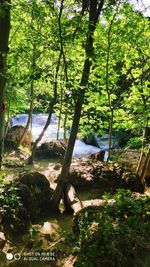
[9, 197]
[117, 234]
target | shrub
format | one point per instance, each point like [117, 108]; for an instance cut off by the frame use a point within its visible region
[135, 142]
[14, 217]
[8, 195]
[116, 235]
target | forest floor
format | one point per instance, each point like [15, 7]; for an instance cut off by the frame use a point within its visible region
[49, 235]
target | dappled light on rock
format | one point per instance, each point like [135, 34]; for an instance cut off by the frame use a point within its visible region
[14, 135]
[107, 177]
[51, 149]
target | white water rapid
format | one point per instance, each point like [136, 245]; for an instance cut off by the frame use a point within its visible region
[38, 121]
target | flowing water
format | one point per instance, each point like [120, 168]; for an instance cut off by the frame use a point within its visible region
[38, 121]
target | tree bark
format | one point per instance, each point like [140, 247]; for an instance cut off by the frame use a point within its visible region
[29, 117]
[53, 102]
[31, 102]
[110, 134]
[145, 167]
[51, 108]
[60, 111]
[140, 162]
[94, 12]
[111, 108]
[4, 37]
[65, 124]
[31, 158]
[7, 123]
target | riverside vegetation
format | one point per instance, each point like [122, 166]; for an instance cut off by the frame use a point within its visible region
[86, 63]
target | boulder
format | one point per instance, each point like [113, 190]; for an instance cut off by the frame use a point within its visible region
[14, 217]
[90, 139]
[78, 217]
[35, 194]
[98, 156]
[109, 228]
[27, 199]
[105, 176]
[14, 134]
[57, 166]
[15, 221]
[32, 195]
[55, 148]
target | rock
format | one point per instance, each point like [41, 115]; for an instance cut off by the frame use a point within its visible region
[2, 240]
[57, 166]
[27, 198]
[128, 158]
[112, 227]
[14, 216]
[90, 139]
[14, 134]
[78, 217]
[105, 176]
[14, 164]
[15, 221]
[81, 176]
[132, 182]
[35, 193]
[55, 148]
[32, 201]
[98, 156]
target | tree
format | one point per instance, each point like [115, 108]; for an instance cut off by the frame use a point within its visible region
[125, 50]
[95, 8]
[53, 101]
[4, 37]
[111, 108]
[138, 100]
[35, 53]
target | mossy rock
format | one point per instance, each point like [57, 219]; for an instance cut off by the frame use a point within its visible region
[35, 193]
[115, 233]
[14, 134]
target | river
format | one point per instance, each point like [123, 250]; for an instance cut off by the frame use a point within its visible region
[80, 150]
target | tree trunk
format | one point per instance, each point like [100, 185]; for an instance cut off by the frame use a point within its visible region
[32, 99]
[7, 123]
[60, 112]
[145, 167]
[110, 134]
[109, 43]
[29, 117]
[65, 125]
[94, 13]
[4, 37]
[68, 156]
[140, 162]
[53, 102]
[31, 158]
[51, 108]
